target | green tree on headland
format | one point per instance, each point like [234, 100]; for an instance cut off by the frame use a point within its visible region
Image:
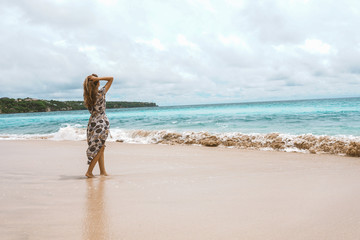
[22, 105]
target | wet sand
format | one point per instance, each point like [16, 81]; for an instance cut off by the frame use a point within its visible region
[176, 192]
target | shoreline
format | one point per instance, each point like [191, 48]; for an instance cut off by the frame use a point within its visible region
[305, 143]
[34, 105]
[176, 192]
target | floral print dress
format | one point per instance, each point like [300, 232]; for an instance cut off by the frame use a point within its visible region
[98, 126]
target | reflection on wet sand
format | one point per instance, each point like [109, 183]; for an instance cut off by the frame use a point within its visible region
[96, 220]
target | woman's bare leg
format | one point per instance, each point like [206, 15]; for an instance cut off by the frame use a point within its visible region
[89, 173]
[101, 163]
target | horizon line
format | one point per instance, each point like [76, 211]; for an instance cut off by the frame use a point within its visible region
[260, 101]
[200, 104]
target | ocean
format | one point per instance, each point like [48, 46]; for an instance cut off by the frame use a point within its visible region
[325, 125]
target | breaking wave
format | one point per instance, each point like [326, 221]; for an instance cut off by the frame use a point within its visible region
[306, 143]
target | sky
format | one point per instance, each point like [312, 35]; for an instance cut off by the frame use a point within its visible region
[181, 52]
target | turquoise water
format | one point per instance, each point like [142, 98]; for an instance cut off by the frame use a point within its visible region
[331, 117]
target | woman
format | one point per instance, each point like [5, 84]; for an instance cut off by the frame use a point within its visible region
[98, 126]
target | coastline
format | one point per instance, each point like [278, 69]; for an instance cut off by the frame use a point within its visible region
[304, 143]
[34, 105]
[157, 191]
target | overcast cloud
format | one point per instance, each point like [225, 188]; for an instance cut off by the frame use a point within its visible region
[181, 52]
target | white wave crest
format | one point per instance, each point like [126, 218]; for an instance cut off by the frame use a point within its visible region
[74, 133]
[68, 132]
[343, 145]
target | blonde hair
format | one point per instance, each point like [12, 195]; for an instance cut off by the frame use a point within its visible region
[90, 92]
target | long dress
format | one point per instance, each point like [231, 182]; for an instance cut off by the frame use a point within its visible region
[98, 126]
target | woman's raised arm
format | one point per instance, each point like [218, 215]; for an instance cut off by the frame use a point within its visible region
[108, 79]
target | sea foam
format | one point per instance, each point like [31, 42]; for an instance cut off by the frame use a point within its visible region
[307, 143]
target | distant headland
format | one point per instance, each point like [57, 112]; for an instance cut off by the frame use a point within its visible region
[24, 105]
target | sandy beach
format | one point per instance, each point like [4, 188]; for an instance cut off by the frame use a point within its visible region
[176, 192]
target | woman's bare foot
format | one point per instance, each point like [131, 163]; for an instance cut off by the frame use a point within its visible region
[89, 175]
[104, 174]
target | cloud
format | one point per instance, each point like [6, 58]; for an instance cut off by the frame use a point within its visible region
[155, 43]
[183, 41]
[181, 52]
[316, 46]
